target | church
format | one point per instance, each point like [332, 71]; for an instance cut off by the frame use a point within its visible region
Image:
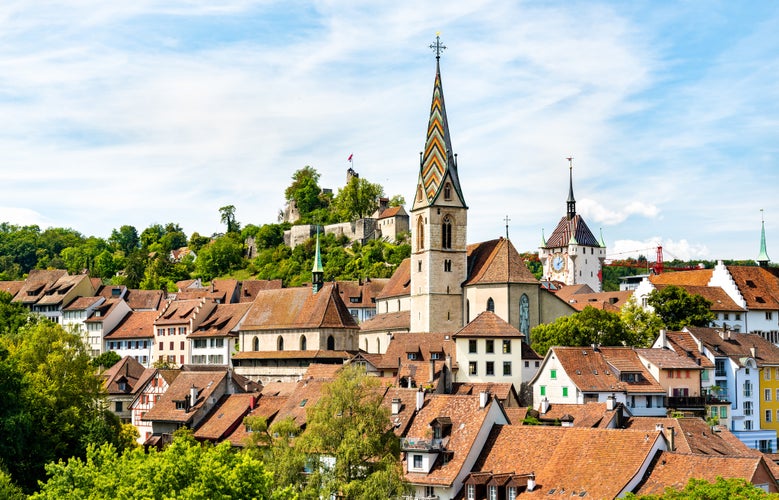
[447, 283]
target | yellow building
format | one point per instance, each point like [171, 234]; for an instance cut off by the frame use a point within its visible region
[769, 396]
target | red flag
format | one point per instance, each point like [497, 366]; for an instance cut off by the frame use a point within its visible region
[350, 157]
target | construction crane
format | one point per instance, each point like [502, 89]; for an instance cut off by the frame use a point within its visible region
[656, 267]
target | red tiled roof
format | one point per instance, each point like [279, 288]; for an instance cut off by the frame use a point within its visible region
[222, 321]
[298, 308]
[400, 282]
[667, 359]
[496, 261]
[365, 292]
[504, 392]
[593, 415]
[737, 346]
[249, 288]
[11, 287]
[144, 299]
[266, 407]
[421, 344]
[758, 286]
[37, 283]
[392, 212]
[82, 303]
[165, 409]
[136, 325]
[178, 312]
[488, 324]
[225, 417]
[684, 343]
[561, 236]
[388, 322]
[609, 301]
[593, 370]
[595, 463]
[695, 277]
[55, 293]
[320, 355]
[127, 370]
[720, 301]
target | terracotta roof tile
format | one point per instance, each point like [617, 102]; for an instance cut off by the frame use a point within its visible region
[488, 324]
[392, 212]
[668, 359]
[249, 288]
[111, 291]
[266, 407]
[467, 420]
[127, 371]
[504, 392]
[135, 325]
[222, 321]
[421, 345]
[593, 415]
[165, 409]
[388, 322]
[321, 372]
[737, 345]
[593, 370]
[720, 301]
[694, 435]
[685, 344]
[496, 261]
[609, 301]
[225, 417]
[55, 293]
[147, 300]
[400, 282]
[561, 236]
[103, 310]
[82, 303]
[758, 286]
[408, 397]
[177, 312]
[37, 283]
[674, 470]
[298, 308]
[11, 287]
[365, 292]
[598, 463]
[695, 277]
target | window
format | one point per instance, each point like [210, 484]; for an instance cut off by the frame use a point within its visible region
[542, 390]
[280, 343]
[470, 491]
[303, 343]
[199, 343]
[255, 344]
[490, 305]
[553, 374]
[767, 395]
[493, 492]
[490, 368]
[172, 346]
[218, 343]
[330, 343]
[527, 364]
[182, 330]
[511, 492]
[670, 374]
[447, 191]
[447, 266]
[719, 367]
[747, 425]
[181, 345]
[538, 363]
[705, 375]
[565, 392]
[725, 316]
[507, 346]
[172, 331]
[768, 415]
[118, 407]
[490, 346]
[430, 491]
[162, 346]
[472, 368]
[472, 346]
[738, 316]
[420, 235]
[160, 331]
[446, 232]
[769, 315]
[747, 408]
[747, 389]
[723, 412]
[507, 368]
[411, 356]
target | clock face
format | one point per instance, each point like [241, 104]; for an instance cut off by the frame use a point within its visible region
[557, 263]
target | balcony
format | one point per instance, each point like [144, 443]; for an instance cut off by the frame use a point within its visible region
[693, 401]
[425, 445]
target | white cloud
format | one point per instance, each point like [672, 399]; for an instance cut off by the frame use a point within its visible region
[591, 209]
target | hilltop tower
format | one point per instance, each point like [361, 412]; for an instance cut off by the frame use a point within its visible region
[572, 254]
[438, 226]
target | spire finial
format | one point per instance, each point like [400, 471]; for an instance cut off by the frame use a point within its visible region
[762, 259]
[318, 272]
[437, 45]
[507, 220]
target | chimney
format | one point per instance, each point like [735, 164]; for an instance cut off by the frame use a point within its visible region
[659, 426]
[531, 482]
[432, 370]
[753, 351]
[252, 402]
[544, 406]
[670, 435]
[192, 395]
[663, 340]
[395, 406]
[610, 403]
[420, 400]
[484, 398]
[448, 374]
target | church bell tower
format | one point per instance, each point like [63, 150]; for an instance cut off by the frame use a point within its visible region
[439, 220]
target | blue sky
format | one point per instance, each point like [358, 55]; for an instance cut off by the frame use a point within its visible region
[143, 112]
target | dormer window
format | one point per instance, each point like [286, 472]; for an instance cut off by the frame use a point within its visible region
[181, 405]
[630, 377]
[411, 356]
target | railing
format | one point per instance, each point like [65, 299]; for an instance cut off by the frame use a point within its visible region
[413, 444]
[693, 401]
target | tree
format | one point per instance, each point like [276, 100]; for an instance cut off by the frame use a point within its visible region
[641, 325]
[183, 470]
[350, 425]
[397, 201]
[720, 489]
[305, 191]
[125, 239]
[228, 218]
[677, 308]
[590, 326]
[358, 199]
[106, 360]
[196, 242]
[219, 257]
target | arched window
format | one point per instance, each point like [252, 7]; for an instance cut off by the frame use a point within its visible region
[378, 346]
[490, 305]
[255, 344]
[446, 232]
[420, 233]
[330, 343]
[302, 342]
[366, 345]
[280, 343]
[467, 311]
[524, 316]
[447, 191]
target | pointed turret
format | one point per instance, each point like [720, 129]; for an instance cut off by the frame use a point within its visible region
[317, 272]
[438, 162]
[762, 259]
[571, 203]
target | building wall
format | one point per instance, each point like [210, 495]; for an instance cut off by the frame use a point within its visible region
[291, 339]
[769, 397]
[581, 264]
[139, 349]
[216, 351]
[145, 402]
[481, 357]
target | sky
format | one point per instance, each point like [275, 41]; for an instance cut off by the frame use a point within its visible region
[143, 112]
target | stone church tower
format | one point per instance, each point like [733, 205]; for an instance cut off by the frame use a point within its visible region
[439, 219]
[572, 254]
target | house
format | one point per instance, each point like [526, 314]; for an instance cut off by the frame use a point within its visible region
[216, 338]
[680, 377]
[598, 415]
[444, 441]
[226, 416]
[121, 382]
[581, 296]
[544, 462]
[133, 336]
[150, 388]
[360, 296]
[491, 350]
[597, 374]
[103, 319]
[249, 288]
[392, 223]
[286, 330]
[220, 291]
[75, 315]
[173, 324]
[145, 300]
[47, 292]
[420, 360]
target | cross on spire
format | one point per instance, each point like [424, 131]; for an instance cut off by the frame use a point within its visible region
[507, 220]
[437, 45]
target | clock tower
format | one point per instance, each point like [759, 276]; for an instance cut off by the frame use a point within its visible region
[572, 254]
[438, 221]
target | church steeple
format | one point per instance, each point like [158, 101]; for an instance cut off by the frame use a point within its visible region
[571, 203]
[762, 259]
[317, 272]
[438, 163]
